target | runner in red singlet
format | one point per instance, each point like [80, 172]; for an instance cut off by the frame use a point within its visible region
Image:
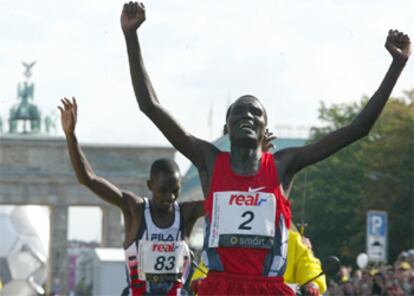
[246, 214]
[156, 229]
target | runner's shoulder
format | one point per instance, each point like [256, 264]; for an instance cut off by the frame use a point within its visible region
[207, 149]
[131, 200]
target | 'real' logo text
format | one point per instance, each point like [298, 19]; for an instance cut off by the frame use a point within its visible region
[246, 200]
[164, 247]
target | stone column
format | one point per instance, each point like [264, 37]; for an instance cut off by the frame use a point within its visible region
[59, 250]
[112, 230]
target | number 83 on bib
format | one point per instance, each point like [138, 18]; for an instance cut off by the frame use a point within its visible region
[162, 261]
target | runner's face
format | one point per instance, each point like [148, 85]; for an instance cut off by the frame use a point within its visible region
[165, 187]
[246, 123]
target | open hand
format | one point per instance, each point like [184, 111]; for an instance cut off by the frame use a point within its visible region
[68, 115]
[133, 15]
[398, 45]
[267, 143]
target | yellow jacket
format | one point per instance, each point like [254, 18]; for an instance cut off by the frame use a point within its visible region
[301, 265]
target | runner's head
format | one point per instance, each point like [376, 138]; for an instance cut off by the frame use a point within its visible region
[165, 183]
[246, 121]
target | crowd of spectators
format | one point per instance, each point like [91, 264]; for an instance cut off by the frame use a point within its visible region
[376, 279]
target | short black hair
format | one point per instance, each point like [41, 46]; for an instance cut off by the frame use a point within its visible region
[231, 106]
[163, 165]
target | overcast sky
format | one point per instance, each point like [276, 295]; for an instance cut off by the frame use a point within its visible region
[291, 54]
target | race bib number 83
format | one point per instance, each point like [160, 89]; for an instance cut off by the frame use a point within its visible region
[161, 261]
[243, 219]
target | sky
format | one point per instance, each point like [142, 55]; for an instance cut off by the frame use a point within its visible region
[200, 55]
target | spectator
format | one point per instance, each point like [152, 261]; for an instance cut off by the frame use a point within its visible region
[378, 288]
[378, 279]
[403, 275]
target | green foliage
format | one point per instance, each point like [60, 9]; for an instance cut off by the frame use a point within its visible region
[375, 173]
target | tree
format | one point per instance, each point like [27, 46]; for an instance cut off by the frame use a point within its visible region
[375, 173]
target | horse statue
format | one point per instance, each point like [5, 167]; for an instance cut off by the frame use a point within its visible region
[25, 111]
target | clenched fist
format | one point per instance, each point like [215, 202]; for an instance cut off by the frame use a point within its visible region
[133, 15]
[398, 45]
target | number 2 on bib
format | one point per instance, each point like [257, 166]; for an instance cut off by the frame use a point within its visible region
[250, 217]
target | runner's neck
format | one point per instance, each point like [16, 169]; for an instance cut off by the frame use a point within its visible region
[245, 161]
[161, 218]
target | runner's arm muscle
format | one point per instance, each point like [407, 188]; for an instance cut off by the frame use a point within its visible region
[84, 172]
[132, 17]
[192, 211]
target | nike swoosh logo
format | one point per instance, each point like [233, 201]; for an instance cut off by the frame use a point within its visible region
[256, 189]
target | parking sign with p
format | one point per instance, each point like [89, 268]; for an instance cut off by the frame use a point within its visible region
[377, 226]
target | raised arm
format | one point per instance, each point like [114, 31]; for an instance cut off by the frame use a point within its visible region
[399, 46]
[84, 172]
[133, 15]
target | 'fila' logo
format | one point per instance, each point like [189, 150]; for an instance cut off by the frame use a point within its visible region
[162, 237]
[246, 200]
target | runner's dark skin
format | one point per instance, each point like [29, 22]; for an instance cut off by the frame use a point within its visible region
[247, 118]
[165, 187]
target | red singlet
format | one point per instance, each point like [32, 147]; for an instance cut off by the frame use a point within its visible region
[247, 221]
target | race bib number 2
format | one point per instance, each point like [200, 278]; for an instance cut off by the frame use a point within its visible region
[161, 261]
[243, 219]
